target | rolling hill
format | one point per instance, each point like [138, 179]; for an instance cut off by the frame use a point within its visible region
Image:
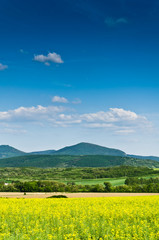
[89, 149]
[62, 161]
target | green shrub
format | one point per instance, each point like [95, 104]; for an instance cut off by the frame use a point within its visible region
[58, 196]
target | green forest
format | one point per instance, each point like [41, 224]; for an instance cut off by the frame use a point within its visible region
[67, 161]
[25, 174]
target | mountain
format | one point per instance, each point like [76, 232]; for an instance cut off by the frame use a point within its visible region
[8, 151]
[89, 149]
[80, 149]
[79, 155]
[62, 161]
[144, 157]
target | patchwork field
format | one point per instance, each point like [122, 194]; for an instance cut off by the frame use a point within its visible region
[80, 218]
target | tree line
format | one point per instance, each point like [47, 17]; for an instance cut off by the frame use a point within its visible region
[52, 186]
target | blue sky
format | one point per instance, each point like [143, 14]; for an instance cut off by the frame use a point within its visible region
[83, 70]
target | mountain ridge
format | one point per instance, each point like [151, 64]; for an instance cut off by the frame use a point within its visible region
[82, 148]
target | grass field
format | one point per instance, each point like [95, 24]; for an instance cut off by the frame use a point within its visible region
[113, 181]
[80, 219]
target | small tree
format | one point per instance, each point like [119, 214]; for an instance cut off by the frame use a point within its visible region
[98, 188]
[108, 187]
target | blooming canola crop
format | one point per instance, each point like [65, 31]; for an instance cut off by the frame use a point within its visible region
[80, 218]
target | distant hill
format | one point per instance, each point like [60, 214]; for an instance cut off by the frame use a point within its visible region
[8, 151]
[89, 149]
[144, 157]
[45, 161]
[46, 152]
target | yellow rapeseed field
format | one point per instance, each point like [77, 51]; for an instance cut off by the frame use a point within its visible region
[80, 218]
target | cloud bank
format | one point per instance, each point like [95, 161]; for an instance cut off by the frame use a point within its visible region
[117, 120]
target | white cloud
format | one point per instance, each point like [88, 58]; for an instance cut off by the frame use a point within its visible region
[31, 113]
[65, 117]
[117, 120]
[112, 22]
[50, 57]
[64, 120]
[59, 99]
[113, 115]
[3, 67]
[69, 118]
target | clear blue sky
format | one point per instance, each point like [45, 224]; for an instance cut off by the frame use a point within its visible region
[83, 70]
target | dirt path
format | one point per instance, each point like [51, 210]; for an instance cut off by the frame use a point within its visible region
[71, 195]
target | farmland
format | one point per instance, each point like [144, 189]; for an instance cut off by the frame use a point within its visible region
[80, 218]
[74, 174]
[78, 179]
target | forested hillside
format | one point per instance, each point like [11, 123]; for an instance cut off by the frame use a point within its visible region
[45, 161]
